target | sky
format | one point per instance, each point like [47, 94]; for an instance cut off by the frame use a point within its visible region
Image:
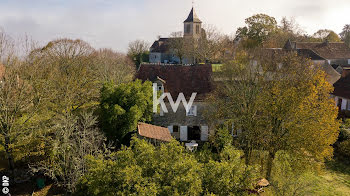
[115, 23]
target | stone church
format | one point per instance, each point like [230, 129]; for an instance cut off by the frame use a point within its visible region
[161, 50]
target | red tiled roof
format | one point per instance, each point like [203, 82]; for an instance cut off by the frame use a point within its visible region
[180, 79]
[154, 132]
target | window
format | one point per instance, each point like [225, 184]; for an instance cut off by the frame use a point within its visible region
[192, 111]
[197, 29]
[176, 129]
[187, 28]
[348, 102]
[349, 61]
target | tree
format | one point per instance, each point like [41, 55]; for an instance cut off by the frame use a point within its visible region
[20, 100]
[71, 76]
[212, 46]
[258, 28]
[76, 138]
[326, 34]
[143, 169]
[228, 175]
[123, 106]
[7, 48]
[113, 67]
[138, 51]
[288, 29]
[345, 34]
[281, 103]
[18, 105]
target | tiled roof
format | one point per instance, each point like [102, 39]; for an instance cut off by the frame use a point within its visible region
[192, 17]
[327, 50]
[162, 45]
[154, 132]
[307, 53]
[179, 78]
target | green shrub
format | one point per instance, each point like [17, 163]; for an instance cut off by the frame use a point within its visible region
[344, 148]
[229, 175]
[143, 169]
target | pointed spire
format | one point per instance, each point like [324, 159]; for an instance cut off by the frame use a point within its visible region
[192, 17]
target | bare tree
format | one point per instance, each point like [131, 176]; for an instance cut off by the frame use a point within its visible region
[179, 45]
[113, 66]
[76, 138]
[138, 51]
[7, 48]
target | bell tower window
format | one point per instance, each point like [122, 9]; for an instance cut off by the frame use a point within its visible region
[187, 28]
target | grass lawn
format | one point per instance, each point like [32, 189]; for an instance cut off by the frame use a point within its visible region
[335, 180]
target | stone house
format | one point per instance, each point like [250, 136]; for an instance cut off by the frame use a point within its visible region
[341, 91]
[176, 79]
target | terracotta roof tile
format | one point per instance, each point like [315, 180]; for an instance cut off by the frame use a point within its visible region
[154, 132]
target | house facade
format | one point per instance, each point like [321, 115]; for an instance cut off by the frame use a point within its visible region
[176, 79]
[341, 91]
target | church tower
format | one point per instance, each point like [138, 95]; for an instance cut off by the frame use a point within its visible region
[192, 26]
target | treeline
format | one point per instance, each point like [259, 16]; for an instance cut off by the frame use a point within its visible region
[49, 102]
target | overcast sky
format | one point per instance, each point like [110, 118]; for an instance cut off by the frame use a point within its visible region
[114, 23]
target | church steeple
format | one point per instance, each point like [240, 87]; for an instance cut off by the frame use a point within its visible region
[192, 17]
[192, 25]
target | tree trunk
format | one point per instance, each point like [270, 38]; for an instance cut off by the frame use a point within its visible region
[270, 159]
[9, 153]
